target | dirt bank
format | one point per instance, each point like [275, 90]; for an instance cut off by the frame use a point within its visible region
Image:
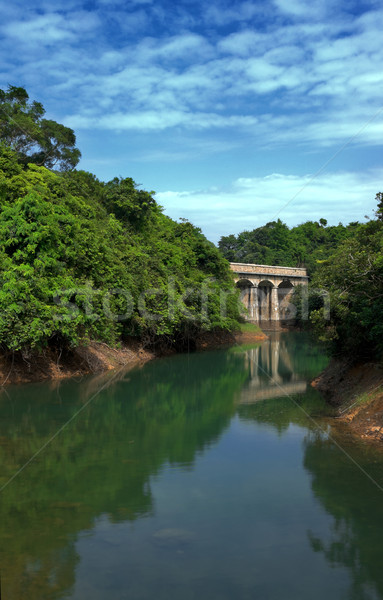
[52, 364]
[356, 390]
[98, 357]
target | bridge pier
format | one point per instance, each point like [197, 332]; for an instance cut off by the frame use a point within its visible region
[274, 316]
[264, 303]
[254, 304]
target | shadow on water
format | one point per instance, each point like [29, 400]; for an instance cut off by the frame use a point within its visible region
[167, 414]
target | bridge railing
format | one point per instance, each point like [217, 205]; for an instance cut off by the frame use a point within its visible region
[241, 268]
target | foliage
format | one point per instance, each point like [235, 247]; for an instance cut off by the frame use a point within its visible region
[35, 139]
[379, 202]
[249, 328]
[353, 277]
[82, 260]
[127, 202]
[305, 245]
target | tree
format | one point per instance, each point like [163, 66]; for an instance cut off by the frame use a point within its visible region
[35, 139]
[228, 246]
[353, 278]
[305, 245]
[379, 211]
[127, 202]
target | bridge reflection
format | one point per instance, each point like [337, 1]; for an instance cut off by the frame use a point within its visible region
[271, 372]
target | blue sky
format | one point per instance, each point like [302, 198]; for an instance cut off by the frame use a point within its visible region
[226, 109]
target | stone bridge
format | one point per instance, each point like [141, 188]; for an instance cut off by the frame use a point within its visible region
[266, 290]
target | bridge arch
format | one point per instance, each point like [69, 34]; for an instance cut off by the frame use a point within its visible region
[247, 295]
[285, 292]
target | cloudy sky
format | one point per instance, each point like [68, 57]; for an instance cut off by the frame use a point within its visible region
[235, 113]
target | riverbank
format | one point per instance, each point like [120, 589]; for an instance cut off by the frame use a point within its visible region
[98, 357]
[53, 364]
[356, 391]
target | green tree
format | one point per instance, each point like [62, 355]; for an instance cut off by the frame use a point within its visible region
[353, 277]
[128, 203]
[228, 245]
[35, 139]
[305, 245]
[379, 201]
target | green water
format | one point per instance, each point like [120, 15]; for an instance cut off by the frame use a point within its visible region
[194, 477]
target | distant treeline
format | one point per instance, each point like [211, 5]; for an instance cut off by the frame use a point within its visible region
[305, 245]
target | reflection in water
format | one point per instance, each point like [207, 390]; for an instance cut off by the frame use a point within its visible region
[178, 481]
[271, 372]
[355, 503]
[102, 463]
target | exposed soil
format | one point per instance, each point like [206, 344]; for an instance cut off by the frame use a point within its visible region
[98, 357]
[356, 390]
[50, 364]
[249, 338]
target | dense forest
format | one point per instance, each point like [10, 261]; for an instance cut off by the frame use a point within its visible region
[353, 279]
[345, 263]
[305, 245]
[81, 259]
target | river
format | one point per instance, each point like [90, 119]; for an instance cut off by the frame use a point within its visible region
[209, 476]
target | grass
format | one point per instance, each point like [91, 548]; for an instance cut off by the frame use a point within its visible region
[249, 328]
[364, 399]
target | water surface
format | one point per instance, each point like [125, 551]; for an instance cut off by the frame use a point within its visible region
[202, 476]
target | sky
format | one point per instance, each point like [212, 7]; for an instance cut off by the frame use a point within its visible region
[234, 113]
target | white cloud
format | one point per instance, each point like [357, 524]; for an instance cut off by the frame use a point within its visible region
[223, 13]
[252, 202]
[154, 120]
[243, 43]
[123, 2]
[301, 8]
[48, 28]
[186, 45]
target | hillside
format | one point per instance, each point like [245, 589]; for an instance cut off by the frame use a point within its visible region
[82, 260]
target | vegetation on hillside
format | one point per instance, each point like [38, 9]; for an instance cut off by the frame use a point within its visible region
[305, 245]
[353, 279]
[81, 259]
